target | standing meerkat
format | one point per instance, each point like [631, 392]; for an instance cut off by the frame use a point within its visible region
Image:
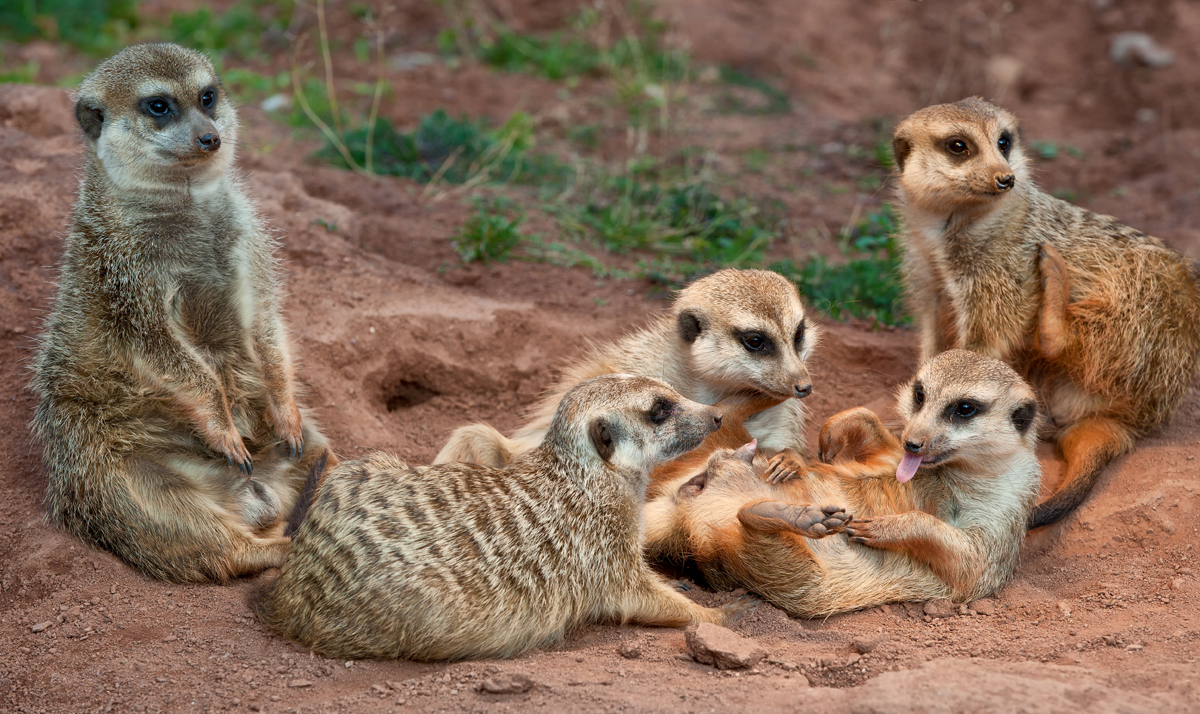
[163, 374]
[726, 333]
[459, 561]
[1102, 319]
[942, 515]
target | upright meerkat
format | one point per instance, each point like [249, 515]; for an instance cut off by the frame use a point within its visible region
[459, 560]
[1102, 319]
[727, 333]
[942, 515]
[163, 374]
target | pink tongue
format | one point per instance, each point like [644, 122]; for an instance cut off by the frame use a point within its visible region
[908, 467]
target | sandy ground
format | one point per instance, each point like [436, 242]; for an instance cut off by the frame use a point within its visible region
[397, 344]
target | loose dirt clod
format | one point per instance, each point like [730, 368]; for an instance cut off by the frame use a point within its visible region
[507, 683]
[983, 607]
[630, 649]
[721, 647]
[940, 607]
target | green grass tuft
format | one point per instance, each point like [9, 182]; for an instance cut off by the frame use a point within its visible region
[491, 233]
[94, 26]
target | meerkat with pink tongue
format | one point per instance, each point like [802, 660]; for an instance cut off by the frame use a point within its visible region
[727, 333]
[1103, 320]
[172, 436]
[940, 512]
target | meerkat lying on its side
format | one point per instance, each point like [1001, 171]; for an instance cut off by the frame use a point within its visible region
[942, 515]
[163, 374]
[727, 333]
[1103, 320]
[460, 561]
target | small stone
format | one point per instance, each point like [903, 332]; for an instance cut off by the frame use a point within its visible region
[397, 686]
[940, 607]
[1177, 584]
[983, 607]
[630, 649]
[170, 638]
[379, 688]
[160, 680]
[41, 626]
[507, 683]
[1064, 608]
[276, 698]
[722, 647]
[299, 683]
[864, 645]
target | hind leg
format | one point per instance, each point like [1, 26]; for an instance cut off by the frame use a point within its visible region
[808, 521]
[653, 603]
[248, 556]
[1088, 446]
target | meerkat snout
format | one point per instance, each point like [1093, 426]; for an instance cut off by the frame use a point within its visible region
[209, 142]
[1005, 182]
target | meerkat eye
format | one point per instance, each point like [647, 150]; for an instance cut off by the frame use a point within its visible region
[208, 98]
[964, 410]
[157, 106]
[799, 339]
[918, 395]
[1004, 144]
[755, 342]
[661, 411]
[958, 147]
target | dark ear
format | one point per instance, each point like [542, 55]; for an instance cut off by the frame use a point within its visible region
[603, 439]
[91, 119]
[690, 325]
[901, 148]
[1023, 416]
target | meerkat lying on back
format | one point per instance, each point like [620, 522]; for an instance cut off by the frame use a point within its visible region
[460, 560]
[729, 332]
[163, 374]
[942, 515]
[1103, 320]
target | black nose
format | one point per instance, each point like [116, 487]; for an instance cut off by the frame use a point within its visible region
[803, 391]
[1006, 182]
[913, 447]
[209, 142]
[717, 420]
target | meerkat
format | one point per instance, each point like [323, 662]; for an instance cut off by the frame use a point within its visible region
[727, 333]
[458, 561]
[167, 411]
[1102, 319]
[940, 512]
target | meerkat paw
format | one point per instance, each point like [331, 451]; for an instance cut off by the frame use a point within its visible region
[229, 444]
[809, 521]
[784, 466]
[872, 532]
[288, 427]
[733, 611]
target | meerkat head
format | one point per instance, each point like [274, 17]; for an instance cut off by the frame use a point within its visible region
[723, 465]
[962, 155]
[747, 328]
[963, 407]
[155, 116]
[629, 423]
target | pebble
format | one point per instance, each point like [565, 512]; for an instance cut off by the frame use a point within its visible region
[299, 683]
[630, 649]
[1064, 608]
[721, 647]
[941, 607]
[983, 607]
[41, 626]
[170, 638]
[507, 683]
[864, 645]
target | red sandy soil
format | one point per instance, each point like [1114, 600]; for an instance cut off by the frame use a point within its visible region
[398, 343]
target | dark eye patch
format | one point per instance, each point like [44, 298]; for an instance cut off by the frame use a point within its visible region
[958, 147]
[1005, 143]
[1023, 416]
[208, 99]
[661, 411]
[755, 342]
[798, 340]
[160, 109]
[918, 395]
[961, 411]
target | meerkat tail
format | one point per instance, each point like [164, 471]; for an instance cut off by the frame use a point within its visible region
[316, 472]
[477, 444]
[1088, 447]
